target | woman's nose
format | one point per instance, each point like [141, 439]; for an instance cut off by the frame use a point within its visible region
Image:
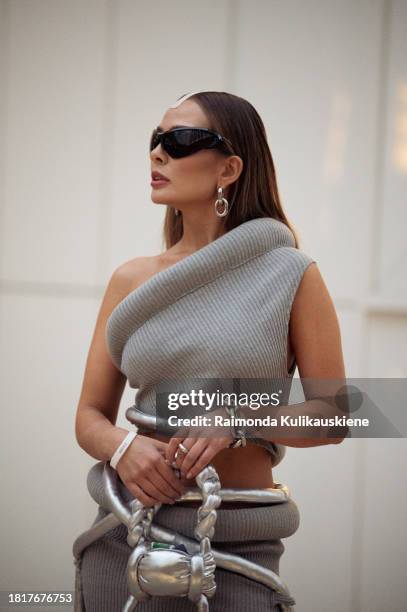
[157, 153]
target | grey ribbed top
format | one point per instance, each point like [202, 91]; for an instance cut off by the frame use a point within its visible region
[222, 312]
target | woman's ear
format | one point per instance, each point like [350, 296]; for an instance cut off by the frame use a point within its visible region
[232, 169]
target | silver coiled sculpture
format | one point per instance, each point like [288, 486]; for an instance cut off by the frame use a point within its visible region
[187, 567]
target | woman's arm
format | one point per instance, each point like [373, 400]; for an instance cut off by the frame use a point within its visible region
[316, 341]
[314, 329]
[142, 468]
[103, 384]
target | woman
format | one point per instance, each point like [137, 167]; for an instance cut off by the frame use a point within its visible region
[225, 230]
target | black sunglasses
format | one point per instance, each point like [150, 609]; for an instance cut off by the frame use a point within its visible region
[184, 141]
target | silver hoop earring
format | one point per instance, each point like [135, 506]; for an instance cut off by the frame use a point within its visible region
[223, 201]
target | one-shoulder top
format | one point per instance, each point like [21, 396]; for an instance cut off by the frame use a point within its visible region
[222, 312]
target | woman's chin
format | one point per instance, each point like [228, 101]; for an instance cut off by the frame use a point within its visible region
[158, 199]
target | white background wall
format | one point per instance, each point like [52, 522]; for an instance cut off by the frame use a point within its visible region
[82, 84]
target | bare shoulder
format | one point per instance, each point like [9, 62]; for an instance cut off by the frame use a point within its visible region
[132, 273]
[128, 275]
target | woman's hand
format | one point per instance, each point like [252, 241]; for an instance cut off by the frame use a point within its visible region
[201, 448]
[146, 474]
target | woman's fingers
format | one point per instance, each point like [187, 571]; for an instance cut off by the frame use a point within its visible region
[166, 475]
[154, 492]
[200, 454]
[201, 462]
[172, 446]
[141, 495]
[172, 449]
[196, 447]
[180, 455]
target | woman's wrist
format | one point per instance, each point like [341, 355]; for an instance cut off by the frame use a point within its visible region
[122, 448]
[112, 441]
[96, 435]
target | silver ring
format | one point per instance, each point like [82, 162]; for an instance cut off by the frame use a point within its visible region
[182, 448]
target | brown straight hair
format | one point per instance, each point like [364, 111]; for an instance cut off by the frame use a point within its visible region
[255, 193]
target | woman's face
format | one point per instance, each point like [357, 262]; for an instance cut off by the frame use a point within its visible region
[194, 179]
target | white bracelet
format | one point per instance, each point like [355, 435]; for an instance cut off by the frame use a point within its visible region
[122, 448]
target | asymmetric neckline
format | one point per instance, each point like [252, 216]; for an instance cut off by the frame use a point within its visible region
[230, 250]
[280, 236]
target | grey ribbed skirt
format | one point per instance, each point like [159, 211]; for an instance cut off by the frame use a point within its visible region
[254, 533]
